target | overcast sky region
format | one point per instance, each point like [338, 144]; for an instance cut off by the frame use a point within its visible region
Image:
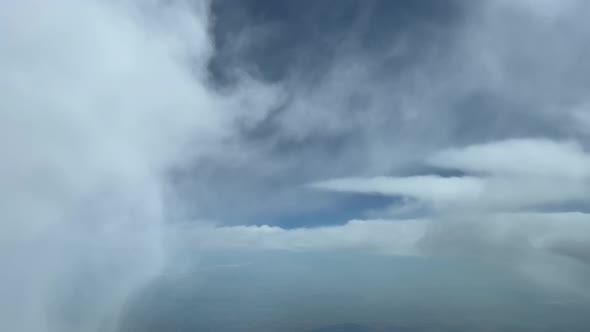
[304, 166]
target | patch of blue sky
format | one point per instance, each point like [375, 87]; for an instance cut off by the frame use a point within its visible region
[347, 206]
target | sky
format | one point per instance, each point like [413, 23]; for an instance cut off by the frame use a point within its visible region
[258, 165]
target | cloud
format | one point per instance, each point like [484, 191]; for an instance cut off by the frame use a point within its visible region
[357, 235]
[513, 174]
[519, 157]
[493, 214]
[533, 230]
[497, 94]
[113, 123]
[546, 248]
[99, 102]
[379, 96]
[429, 188]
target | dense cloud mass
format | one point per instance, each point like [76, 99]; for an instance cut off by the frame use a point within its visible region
[300, 166]
[100, 100]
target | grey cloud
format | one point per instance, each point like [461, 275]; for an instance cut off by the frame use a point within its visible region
[477, 73]
[498, 98]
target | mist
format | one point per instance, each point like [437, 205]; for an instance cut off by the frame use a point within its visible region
[350, 292]
[100, 101]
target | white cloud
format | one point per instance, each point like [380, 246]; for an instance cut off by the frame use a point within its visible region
[485, 216]
[519, 157]
[378, 236]
[530, 230]
[548, 248]
[513, 174]
[98, 99]
[429, 188]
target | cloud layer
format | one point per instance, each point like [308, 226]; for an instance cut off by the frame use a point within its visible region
[500, 214]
